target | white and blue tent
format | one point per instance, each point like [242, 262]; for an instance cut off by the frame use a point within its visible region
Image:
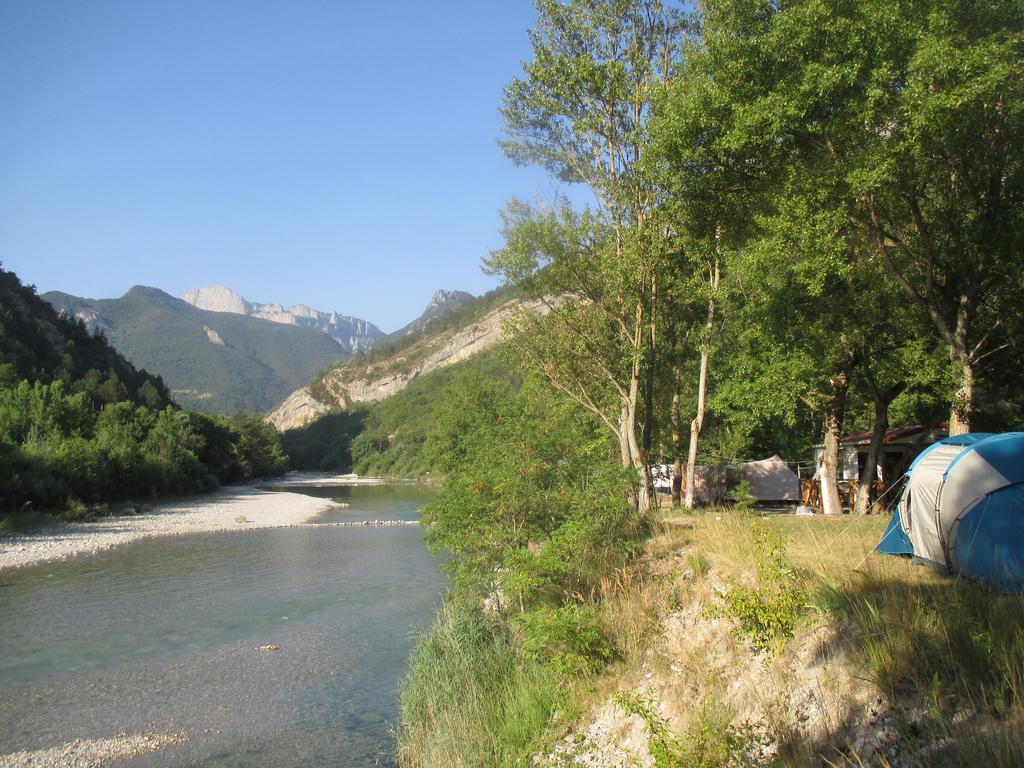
[962, 509]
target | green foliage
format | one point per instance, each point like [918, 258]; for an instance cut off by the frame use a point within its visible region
[395, 434]
[39, 345]
[742, 498]
[77, 436]
[569, 638]
[325, 444]
[258, 365]
[387, 438]
[665, 748]
[768, 613]
[531, 498]
[470, 699]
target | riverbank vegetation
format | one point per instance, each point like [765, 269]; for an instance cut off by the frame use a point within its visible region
[806, 220]
[879, 662]
[80, 427]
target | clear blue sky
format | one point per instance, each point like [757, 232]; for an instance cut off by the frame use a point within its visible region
[337, 154]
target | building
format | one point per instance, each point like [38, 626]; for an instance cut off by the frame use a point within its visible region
[899, 447]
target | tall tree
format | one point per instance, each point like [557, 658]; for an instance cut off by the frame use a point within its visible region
[913, 111]
[582, 110]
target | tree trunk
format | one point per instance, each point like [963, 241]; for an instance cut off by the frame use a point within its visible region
[695, 427]
[714, 277]
[866, 480]
[677, 436]
[632, 452]
[829, 471]
[627, 455]
[962, 409]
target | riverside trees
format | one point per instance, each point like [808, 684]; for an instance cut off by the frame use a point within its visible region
[840, 184]
[582, 110]
[908, 119]
[80, 425]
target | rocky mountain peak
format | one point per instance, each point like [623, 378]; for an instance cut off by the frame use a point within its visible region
[351, 333]
[217, 298]
[443, 296]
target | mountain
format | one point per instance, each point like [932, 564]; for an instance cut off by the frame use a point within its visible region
[351, 333]
[213, 361]
[453, 337]
[38, 344]
[441, 303]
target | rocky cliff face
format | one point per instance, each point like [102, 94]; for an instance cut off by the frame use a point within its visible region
[351, 333]
[348, 385]
[297, 410]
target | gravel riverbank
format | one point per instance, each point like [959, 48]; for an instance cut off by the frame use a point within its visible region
[230, 509]
[91, 753]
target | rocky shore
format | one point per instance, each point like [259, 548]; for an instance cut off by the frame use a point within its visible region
[92, 753]
[231, 509]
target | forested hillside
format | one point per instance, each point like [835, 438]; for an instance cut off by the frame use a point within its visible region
[402, 350]
[387, 438]
[466, 328]
[81, 426]
[215, 362]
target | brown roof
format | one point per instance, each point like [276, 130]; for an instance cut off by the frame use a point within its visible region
[896, 434]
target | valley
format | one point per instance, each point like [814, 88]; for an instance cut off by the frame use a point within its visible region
[742, 353]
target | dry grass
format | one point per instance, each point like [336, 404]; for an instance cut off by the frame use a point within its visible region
[946, 656]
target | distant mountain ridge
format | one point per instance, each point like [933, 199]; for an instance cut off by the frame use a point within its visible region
[212, 361]
[39, 344]
[352, 333]
[461, 331]
[442, 302]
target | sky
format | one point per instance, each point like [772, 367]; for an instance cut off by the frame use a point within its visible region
[341, 155]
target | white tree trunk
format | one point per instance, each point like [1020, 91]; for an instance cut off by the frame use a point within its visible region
[714, 278]
[695, 427]
[831, 504]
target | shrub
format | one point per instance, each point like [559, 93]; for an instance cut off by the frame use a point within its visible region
[569, 638]
[768, 613]
[709, 742]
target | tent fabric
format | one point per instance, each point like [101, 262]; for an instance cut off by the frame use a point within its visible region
[921, 501]
[895, 541]
[963, 508]
[988, 542]
[964, 440]
[771, 480]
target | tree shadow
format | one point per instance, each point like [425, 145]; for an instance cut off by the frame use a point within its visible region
[948, 657]
[325, 444]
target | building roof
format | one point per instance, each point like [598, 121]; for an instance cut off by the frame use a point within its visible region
[896, 435]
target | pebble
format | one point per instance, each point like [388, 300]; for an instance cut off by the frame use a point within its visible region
[92, 753]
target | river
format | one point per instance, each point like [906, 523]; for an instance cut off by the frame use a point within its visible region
[164, 634]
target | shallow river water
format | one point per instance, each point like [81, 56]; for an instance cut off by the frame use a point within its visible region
[163, 634]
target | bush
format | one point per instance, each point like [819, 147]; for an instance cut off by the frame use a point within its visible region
[768, 613]
[709, 742]
[570, 638]
[60, 452]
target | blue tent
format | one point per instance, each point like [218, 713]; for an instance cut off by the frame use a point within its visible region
[962, 509]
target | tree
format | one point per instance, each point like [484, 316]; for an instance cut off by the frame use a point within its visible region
[582, 111]
[910, 114]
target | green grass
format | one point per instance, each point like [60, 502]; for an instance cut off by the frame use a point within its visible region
[470, 699]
